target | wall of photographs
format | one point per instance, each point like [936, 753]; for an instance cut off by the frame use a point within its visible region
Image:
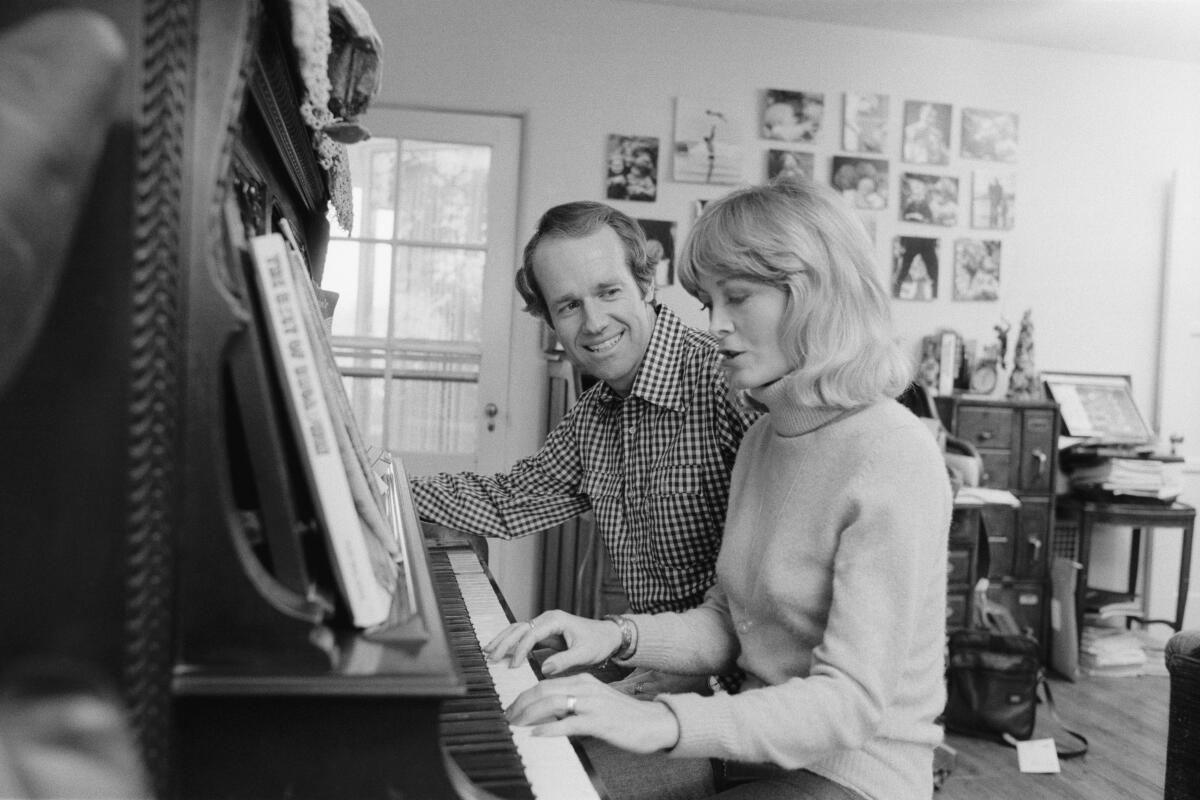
[936, 179]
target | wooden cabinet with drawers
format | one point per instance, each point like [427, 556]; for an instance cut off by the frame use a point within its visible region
[1018, 443]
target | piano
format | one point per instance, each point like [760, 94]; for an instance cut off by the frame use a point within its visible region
[159, 526]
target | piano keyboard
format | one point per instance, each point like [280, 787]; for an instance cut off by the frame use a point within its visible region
[502, 759]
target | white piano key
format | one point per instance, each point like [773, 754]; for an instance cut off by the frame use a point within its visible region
[551, 764]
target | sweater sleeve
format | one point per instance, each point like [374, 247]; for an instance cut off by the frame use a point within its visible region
[878, 650]
[699, 641]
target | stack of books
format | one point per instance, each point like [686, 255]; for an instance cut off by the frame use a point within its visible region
[1141, 478]
[1110, 652]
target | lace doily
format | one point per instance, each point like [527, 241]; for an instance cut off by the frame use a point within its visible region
[311, 38]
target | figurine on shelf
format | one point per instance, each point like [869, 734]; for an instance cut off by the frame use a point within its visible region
[1024, 383]
[929, 365]
[1002, 340]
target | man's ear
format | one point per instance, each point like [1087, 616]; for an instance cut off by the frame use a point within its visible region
[648, 292]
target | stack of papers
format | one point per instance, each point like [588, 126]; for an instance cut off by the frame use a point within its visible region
[1135, 477]
[1110, 652]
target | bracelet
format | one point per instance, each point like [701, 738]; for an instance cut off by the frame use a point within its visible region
[629, 636]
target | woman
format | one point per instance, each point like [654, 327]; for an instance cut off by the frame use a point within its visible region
[830, 592]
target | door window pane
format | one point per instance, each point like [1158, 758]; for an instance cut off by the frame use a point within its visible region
[373, 182]
[361, 274]
[443, 192]
[433, 416]
[438, 294]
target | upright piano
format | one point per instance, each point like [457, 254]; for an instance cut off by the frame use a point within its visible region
[158, 525]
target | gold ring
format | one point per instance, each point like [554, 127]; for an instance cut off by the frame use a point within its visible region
[571, 700]
[529, 622]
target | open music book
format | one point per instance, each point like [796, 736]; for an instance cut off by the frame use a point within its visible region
[346, 494]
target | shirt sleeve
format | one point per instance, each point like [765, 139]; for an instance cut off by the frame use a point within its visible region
[540, 491]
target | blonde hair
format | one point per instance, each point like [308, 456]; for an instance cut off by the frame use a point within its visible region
[803, 238]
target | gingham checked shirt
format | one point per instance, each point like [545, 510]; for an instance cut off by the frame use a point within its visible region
[654, 467]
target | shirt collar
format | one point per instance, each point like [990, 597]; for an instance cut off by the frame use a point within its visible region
[658, 378]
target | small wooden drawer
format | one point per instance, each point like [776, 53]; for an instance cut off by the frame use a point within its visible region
[986, 427]
[956, 610]
[997, 469]
[958, 566]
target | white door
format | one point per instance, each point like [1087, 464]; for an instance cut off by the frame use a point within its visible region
[425, 285]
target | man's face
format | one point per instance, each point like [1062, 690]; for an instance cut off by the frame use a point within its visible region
[602, 318]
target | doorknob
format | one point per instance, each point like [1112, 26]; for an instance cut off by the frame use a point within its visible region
[490, 411]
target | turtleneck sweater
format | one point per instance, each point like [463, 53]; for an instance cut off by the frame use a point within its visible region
[830, 595]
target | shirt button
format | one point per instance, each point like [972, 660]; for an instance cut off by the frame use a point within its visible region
[744, 626]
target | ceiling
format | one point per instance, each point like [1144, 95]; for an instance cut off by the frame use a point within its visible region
[1164, 29]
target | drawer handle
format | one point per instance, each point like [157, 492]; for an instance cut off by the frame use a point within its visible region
[1036, 543]
[984, 436]
[1042, 459]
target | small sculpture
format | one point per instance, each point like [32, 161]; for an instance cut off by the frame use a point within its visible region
[1002, 339]
[1024, 383]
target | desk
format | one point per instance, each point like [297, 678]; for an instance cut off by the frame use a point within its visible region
[1138, 516]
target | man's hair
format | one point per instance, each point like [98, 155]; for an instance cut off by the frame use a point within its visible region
[803, 238]
[576, 221]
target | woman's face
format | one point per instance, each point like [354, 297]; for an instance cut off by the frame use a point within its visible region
[746, 317]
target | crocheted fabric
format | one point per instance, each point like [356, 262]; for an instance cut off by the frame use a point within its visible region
[312, 40]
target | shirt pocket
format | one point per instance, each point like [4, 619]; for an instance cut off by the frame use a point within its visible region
[687, 529]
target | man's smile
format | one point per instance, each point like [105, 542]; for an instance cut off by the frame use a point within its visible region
[606, 345]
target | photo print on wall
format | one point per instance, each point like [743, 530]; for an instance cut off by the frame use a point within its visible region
[784, 164]
[931, 199]
[632, 168]
[864, 122]
[863, 182]
[976, 269]
[993, 198]
[926, 133]
[989, 135]
[660, 246]
[791, 116]
[708, 142]
[914, 268]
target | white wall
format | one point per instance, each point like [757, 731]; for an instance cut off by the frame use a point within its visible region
[1099, 138]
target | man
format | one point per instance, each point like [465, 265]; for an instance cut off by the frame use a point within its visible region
[649, 448]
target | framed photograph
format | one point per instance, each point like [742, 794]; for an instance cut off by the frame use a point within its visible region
[989, 135]
[914, 268]
[784, 164]
[864, 122]
[976, 269]
[660, 246]
[993, 197]
[931, 199]
[632, 168]
[862, 181]
[926, 133]
[708, 142]
[790, 116]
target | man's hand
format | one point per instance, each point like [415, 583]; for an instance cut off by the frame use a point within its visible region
[586, 641]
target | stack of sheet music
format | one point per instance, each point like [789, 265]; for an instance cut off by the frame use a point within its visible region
[1150, 478]
[1113, 652]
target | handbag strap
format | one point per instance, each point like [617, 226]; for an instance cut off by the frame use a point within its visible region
[1074, 752]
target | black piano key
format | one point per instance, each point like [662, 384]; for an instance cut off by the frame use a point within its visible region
[472, 729]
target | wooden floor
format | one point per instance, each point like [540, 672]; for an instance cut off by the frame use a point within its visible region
[1125, 721]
